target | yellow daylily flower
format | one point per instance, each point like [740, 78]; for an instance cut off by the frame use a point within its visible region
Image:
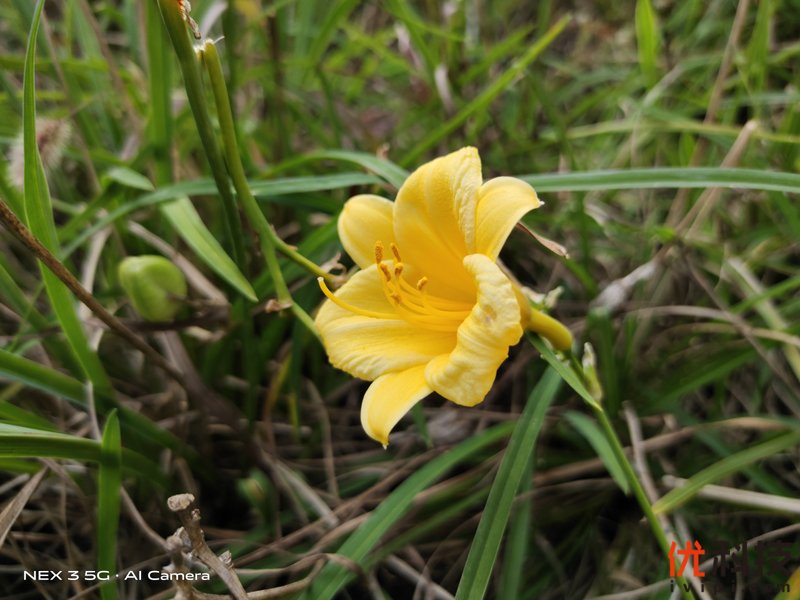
[430, 310]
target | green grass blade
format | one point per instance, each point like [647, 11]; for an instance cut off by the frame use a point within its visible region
[187, 223]
[727, 466]
[486, 545]
[13, 414]
[566, 373]
[316, 183]
[16, 441]
[758, 49]
[594, 435]
[39, 216]
[333, 576]
[666, 177]
[159, 123]
[25, 442]
[516, 550]
[272, 191]
[12, 295]
[37, 376]
[389, 171]
[648, 40]
[109, 484]
[129, 178]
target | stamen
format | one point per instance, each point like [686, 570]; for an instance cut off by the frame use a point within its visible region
[385, 270]
[410, 302]
[354, 309]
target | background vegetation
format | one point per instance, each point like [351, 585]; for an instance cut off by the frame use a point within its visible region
[683, 272]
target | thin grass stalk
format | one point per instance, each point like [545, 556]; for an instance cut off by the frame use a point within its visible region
[266, 234]
[192, 80]
[233, 157]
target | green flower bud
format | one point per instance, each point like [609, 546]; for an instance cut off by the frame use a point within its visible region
[154, 285]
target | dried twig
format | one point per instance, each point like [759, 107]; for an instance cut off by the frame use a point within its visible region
[190, 519]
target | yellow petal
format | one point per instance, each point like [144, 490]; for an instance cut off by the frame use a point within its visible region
[466, 374]
[389, 398]
[501, 203]
[367, 347]
[365, 219]
[434, 221]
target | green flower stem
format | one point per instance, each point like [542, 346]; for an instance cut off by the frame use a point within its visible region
[583, 379]
[187, 59]
[266, 234]
[213, 67]
[638, 490]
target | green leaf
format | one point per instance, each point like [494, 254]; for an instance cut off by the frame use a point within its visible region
[727, 466]
[562, 369]
[594, 435]
[187, 224]
[25, 442]
[316, 183]
[648, 40]
[37, 376]
[109, 484]
[757, 51]
[13, 414]
[129, 178]
[334, 576]
[666, 177]
[389, 171]
[272, 190]
[486, 545]
[39, 216]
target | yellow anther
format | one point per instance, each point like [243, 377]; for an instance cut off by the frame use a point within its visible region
[398, 270]
[396, 252]
[378, 252]
[422, 283]
[385, 270]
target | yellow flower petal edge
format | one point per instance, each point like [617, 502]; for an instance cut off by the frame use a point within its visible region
[466, 374]
[364, 219]
[434, 220]
[501, 203]
[389, 398]
[430, 309]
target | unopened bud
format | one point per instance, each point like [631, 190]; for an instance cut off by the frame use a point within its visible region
[155, 286]
[589, 364]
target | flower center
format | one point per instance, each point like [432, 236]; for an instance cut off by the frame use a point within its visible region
[412, 303]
